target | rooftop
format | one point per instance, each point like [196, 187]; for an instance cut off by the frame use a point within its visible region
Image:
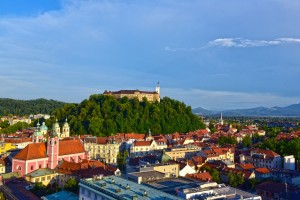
[120, 188]
[62, 195]
[41, 172]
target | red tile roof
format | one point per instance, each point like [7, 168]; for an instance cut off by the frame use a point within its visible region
[262, 170]
[67, 147]
[204, 176]
[246, 166]
[85, 169]
[142, 143]
[39, 150]
[32, 151]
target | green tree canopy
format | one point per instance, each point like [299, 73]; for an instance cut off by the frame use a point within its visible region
[106, 115]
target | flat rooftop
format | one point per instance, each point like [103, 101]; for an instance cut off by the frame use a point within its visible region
[41, 172]
[62, 195]
[115, 187]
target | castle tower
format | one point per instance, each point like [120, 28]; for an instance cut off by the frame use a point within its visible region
[65, 130]
[52, 149]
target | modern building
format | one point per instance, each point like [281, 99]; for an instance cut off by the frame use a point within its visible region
[131, 94]
[114, 187]
[212, 190]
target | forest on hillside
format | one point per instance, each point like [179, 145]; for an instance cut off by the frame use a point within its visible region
[27, 107]
[103, 115]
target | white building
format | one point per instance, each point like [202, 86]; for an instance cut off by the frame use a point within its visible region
[212, 190]
[289, 162]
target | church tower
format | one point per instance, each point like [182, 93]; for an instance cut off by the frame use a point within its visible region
[65, 130]
[157, 88]
[56, 128]
[53, 149]
[37, 135]
[221, 122]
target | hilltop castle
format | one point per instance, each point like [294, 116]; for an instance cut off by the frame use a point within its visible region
[151, 96]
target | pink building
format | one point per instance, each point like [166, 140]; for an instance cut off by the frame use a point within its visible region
[47, 155]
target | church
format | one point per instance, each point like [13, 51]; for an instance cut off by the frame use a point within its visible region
[47, 154]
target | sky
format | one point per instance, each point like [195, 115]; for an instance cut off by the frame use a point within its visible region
[206, 53]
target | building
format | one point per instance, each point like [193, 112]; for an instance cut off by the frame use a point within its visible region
[6, 146]
[16, 119]
[141, 148]
[212, 190]
[218, 154]
[131, 94]
[114, 187]
[186, 151]
[85, 169]
[289, 162]
[2, 166]
[45, 176]
[104, 148]
[47, 155]
[264, 158]
[274, 190]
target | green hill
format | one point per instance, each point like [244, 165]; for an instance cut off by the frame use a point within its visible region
[27, 107]
[105, 115]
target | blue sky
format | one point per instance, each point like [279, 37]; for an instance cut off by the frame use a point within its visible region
[208, 53]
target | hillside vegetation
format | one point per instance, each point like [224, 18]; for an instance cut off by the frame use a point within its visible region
[105, 115]
[27, 107]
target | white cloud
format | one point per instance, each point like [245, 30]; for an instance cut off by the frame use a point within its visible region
[239, 43]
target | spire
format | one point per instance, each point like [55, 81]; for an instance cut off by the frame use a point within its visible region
[221, 120]
[38, 125]
[149, 133]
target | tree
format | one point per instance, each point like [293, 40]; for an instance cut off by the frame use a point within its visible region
[71, 185]
[212, 128]
[121, 160]
[235, 179]
[226, 140]
[247, 142]
[214, 173]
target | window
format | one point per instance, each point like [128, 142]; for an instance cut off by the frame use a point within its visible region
[31, 167]
[40, 166]
[19, 167]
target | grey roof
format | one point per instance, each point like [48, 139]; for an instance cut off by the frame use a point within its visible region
[117, 190]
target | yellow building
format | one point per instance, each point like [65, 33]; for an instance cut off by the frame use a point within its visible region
[131, 94]
[104, 148]
[182, 152]
[2, 166]
[46, 176]
[5, 146]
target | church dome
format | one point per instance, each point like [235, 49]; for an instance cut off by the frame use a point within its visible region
[44, 127]
[66, 123]
[55, 125]
[37, 131]
[53, 133]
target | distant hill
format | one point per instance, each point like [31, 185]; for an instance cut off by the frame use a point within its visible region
[202, 111]
[27, 107]
[288, 111]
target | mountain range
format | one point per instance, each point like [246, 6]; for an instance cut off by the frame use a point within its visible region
[288, 111]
